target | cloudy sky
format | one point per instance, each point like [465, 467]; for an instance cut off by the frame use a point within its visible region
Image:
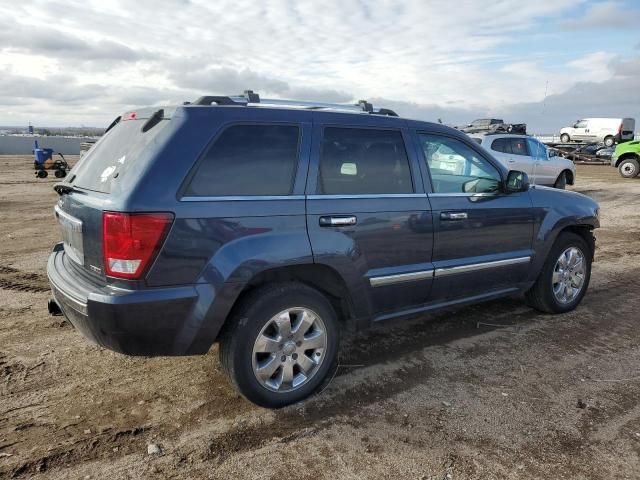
[543, 62]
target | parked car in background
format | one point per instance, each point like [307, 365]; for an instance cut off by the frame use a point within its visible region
[269, 226]
[525, 153]
[626, 158]
[606, 130]
[491, 125]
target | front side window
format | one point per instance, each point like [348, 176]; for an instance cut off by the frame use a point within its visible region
[537, 149]
[356, 161]
[580, 124]
[457, 168]
[248, 160]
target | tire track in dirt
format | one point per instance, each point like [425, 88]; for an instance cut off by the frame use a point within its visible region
[13, 279]
[351, 404]
[85, 449]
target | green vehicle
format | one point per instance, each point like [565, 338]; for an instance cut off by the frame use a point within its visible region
[626, 158]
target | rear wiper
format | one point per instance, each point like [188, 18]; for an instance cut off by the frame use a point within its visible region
[63, 188]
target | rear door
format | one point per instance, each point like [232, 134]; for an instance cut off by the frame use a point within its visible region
[513, 154]
[628, 127]
[483, 237]
[367, 214]
[522, 156]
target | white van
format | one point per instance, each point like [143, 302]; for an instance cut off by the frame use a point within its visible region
[607, 130]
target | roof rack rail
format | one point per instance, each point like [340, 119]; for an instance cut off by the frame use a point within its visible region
[250, 97]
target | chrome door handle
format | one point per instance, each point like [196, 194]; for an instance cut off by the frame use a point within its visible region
[453, 215]
[338, 221]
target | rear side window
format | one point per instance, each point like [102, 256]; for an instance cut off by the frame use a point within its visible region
[501, 145]
[248, 160]
[357, 161]
[113, 155]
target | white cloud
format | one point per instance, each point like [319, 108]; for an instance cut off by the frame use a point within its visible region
[606, 15]
[437, 57]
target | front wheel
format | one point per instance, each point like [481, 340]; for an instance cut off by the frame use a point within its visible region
[609, 141]
[281, 344]
[564, 138]
[565, 276]
[561, 181]
[629, 168]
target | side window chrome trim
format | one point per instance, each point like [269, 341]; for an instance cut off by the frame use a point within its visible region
[472, 195]
[241, 198]
[367, 195]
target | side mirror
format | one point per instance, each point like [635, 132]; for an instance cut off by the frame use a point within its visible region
[517, 182]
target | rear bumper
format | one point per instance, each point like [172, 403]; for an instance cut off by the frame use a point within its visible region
[158, 321]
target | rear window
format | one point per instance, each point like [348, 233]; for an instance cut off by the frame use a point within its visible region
[248, 160]
[115, 153]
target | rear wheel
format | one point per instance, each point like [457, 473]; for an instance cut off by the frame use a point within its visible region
[561, 181]
[629, 168]
[42, 174]
[281, 344]
[565, 276]
[609, 141]
[564, 138]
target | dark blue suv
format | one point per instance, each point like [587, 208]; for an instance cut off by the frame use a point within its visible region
[268, 226]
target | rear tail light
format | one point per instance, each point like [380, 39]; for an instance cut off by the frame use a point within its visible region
[620, 128]
[130, 241]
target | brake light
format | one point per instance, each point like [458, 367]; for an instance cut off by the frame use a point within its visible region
[130, 241]
[620, 128]
[130, 116]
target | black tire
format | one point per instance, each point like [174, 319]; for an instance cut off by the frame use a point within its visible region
[42, 174]
[629, 168]
[564, 138]
[561, 181]
[609, 141]
[247, 322]
[60, 173]
[540, 296]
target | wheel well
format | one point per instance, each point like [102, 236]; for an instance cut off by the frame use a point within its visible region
[569, 176]
[321, 277]
[626, 156]
[586, 232]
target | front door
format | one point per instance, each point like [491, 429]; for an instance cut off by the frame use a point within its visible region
[482, 236]
[545, 170]
[367, 217]
[580, 130]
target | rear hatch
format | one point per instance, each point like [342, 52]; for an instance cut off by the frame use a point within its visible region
[100, 181]
[627, 128]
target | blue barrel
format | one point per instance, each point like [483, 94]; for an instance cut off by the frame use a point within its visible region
[42, 154]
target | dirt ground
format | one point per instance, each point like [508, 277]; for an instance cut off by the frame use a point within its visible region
[491, 391]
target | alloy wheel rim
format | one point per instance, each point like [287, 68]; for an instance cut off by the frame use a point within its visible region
[289, 349]
[568, 276]
[628, 168]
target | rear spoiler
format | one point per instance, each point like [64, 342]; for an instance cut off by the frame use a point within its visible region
[152, 117]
